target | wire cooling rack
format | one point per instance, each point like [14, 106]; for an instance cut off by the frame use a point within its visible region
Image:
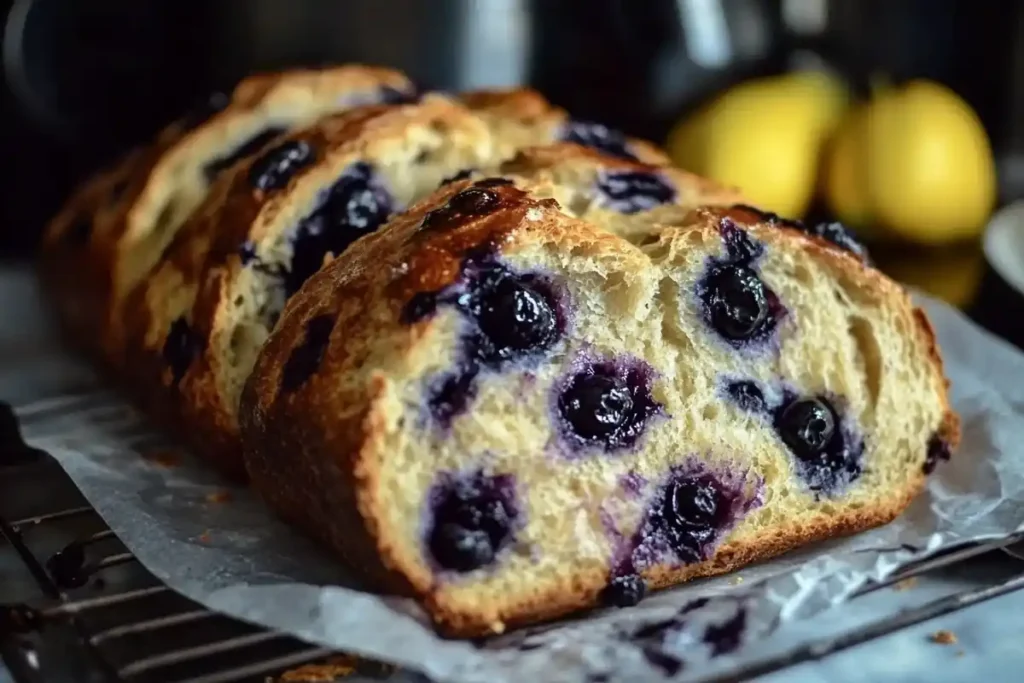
[76, 605]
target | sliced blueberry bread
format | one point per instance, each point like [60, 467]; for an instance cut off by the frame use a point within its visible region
[522, 115]
[207, 309]
[512, 414]
[186, 159]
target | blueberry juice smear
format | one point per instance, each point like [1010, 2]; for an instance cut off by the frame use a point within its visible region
[606, 405]
[471, 519]
[355, 205]
[631, 192]
[827, 455]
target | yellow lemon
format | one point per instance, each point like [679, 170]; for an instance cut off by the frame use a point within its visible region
[929, 171]
[764, 137]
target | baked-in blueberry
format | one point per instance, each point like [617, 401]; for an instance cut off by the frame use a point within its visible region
[624, 591]
[735, 301]
[769, 217]
[747, 395]
[515, 315]
[245, 149]
[391, 95]
[827, 456]
[806, 426]
[938, 451]
[606, 405]
[599, 137]
[471, 519]
[181, 346]
[450, 395]
[356, 204]
[305, 358]
[276, 166]
[634, 191]
[471, 202]
[741, 247]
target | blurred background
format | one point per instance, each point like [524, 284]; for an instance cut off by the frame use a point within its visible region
[903, 118]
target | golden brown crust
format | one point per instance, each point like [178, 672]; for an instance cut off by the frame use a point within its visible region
[316, 453]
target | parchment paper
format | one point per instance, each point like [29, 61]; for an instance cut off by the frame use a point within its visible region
[219, 546]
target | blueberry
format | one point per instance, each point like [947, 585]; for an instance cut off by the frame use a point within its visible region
[606, 406]
[471, 202]
[355, 205]
[624, 591]
[634, 191]
[245, 149]
[842, 237]
[275, 168]
[599, 137]
[736, 301]
[461, 549]
[452, 395]
[392, 95]
[938, 451]
[473, 519]
[596, 406]
[806, 427]
[514, 317]
[181, 347]
[690, 516]
[741, 247]
[305, 358]
[747, 395]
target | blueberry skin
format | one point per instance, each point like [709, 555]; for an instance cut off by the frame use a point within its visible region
[807, 427]
[736, 302]
[277, 166]
[599, 137]
[631, 192]
[624, 591]
[473, 518]
[827, 456]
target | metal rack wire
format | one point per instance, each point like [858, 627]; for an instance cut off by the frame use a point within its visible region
[90, 596]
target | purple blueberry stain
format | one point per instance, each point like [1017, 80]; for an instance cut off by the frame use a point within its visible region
[278, 165]
[939, 450]
[449, 395]
[692, 510]
[604, 404]
[305, 359]
[471, 518]
[244, 149]
[599, 137]
[631, 192]
[632, 483]
[827, 451]
[833, 232]
[473, 202]
[354, 205]
[733, 299]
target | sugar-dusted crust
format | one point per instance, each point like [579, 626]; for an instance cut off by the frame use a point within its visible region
[91, 276]
[319, 453]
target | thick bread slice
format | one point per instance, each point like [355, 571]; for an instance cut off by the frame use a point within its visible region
[178, 170]
[243, 283]
[511, 414]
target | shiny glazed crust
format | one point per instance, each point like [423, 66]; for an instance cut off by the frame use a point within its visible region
[319, 454]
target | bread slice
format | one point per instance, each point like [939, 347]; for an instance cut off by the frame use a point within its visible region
[171, 178]
[219, 303]
[511, 414]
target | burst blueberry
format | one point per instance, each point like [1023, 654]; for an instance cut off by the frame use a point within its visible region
[624, 591]
[356, 204]
[827, 456]
[600, 137]
[245, 149]
[472, 519]
[631, 192]
[277, 166]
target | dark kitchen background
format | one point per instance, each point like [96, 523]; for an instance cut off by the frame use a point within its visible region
[86, 80]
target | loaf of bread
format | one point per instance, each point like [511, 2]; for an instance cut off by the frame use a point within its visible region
[201, 317]
[497, 407]
[509, 363]
[109, 236]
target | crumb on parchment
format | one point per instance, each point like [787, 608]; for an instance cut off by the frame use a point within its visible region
[218, 496]
[943, 637]
[205, 537]
[332, 669]
[164, 458]
[905, 584]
